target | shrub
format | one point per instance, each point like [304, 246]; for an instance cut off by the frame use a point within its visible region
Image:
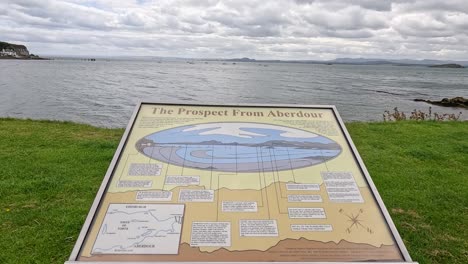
[419, 115]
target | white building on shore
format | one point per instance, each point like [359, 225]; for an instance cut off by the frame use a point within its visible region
[8, 52]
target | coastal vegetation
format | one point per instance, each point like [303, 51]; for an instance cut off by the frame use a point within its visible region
[51, 171]
[419, 115]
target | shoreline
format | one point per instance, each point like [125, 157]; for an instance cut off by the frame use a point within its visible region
[30, 58]
[60, 121]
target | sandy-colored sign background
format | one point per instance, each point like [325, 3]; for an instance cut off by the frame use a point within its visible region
[358, 230]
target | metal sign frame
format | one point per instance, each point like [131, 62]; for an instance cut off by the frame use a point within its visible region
[107, 179]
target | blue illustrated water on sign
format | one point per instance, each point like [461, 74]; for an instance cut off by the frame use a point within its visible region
[238, 147]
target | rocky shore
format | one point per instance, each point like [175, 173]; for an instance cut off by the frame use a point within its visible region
[449, 102]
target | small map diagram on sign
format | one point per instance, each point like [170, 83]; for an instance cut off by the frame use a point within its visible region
[140, 229]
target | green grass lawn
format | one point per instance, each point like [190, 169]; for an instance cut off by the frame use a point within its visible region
[50, 172]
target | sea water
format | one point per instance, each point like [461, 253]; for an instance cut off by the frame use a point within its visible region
[104, 92]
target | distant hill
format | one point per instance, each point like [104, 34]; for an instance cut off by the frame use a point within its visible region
[357, 61]
[370, 61]
[243, 60]
[449, 65]
[14, 50]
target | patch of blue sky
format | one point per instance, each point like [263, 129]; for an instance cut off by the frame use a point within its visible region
[142, 2]
[89, 3]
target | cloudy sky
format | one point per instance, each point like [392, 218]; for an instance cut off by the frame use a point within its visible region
[262, 29]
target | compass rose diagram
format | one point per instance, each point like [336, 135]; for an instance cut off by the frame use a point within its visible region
[355, 221]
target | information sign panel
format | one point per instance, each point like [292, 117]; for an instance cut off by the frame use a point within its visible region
[256, 183]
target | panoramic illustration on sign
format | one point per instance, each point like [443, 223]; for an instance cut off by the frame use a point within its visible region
[225, 184]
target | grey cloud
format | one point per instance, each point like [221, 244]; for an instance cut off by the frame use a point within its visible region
[348, 33]
[433, 5]
[422, 25]
[377, 5]
[346, 19]
[133, 19]
[63, 14]
[262, 21]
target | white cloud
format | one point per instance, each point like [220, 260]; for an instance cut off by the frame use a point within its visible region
[300, 29]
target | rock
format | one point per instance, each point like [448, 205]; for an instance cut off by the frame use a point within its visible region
[450, 102]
